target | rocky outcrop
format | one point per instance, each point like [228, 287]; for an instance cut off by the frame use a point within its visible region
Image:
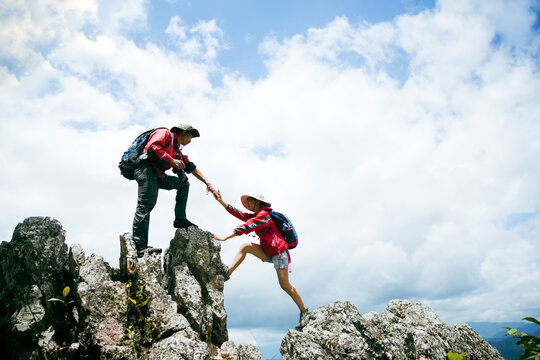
[405, 330]
[194, 275]
[61, 304]
[58, 303]
[33, 270]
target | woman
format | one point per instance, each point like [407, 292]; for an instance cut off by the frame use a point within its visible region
[272, 247]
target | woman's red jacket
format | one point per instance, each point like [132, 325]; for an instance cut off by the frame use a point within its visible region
[271, 239]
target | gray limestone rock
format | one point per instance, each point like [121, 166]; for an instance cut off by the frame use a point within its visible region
[33, 269]
[165, 332]
[248, 352]
[405, 330]
[194, 275]
[103, 305]
[100, 312]
[229, 351]
[141, 311]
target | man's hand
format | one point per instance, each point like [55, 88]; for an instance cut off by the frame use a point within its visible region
[178, 164]
[210, 189]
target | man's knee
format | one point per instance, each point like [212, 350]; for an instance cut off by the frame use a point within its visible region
[184, 186]
[176, 183]
[146, 204]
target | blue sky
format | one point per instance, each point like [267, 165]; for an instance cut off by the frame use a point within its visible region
[246, 24]
[401, 137]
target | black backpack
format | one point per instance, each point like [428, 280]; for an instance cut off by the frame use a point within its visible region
[130, 157]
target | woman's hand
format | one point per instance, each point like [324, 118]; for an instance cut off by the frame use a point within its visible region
[210, 189]
[218, 238]
[217, 196]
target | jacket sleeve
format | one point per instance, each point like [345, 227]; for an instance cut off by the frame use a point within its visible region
[156, 146]
[190, 166]
[237, 213]
[260, 220]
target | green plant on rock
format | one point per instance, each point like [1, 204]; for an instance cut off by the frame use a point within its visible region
[138, 296]
[454, 356]
[140, 327]
[149, 326]
[130, 337]
[63, 298]
[529, 343]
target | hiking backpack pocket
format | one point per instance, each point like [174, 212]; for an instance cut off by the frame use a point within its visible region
[285, 227]
[131, 157]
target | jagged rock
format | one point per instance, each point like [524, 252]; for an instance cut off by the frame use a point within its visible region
[128, 256]
[106, 313]
[33, 269]
[142, 312]
[405, 330]
[473, 344]
[414, 328]
[117, 352]
[194, 275]
[333, 331]
[248, 352]
[103, 304]
[229, 351]
[179, 346]
[167, 332]
[31, 313]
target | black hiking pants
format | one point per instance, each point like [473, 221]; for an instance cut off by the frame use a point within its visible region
[149, 185]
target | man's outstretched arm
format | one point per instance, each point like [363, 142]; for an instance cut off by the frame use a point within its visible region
[198, 174]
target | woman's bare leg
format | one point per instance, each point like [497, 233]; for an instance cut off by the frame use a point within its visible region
[246, 248]
[283, 277]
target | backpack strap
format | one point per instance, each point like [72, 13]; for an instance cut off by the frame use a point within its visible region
[170, 139]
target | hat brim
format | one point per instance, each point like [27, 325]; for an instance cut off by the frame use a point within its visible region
[193, 132]
[244, 198]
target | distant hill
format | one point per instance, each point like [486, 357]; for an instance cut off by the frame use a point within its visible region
[494, 334]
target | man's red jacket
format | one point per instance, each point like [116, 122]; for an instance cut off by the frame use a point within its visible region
[161, 154]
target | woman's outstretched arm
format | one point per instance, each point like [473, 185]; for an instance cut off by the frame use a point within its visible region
[217, 196]
[219, 238]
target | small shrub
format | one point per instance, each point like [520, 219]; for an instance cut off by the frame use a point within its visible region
[454, 356]
[63, 298]
[529, 343]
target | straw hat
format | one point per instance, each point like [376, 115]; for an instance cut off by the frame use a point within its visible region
[259, 197]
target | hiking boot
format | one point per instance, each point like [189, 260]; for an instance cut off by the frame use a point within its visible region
[303, 316]
[183, 223]
[148, 250]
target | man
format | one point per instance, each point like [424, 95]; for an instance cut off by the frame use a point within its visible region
[163, 151]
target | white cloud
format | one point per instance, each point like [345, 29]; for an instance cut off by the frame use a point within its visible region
[30, 29]
[203, 40]
[428, 171]
[400, 184]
